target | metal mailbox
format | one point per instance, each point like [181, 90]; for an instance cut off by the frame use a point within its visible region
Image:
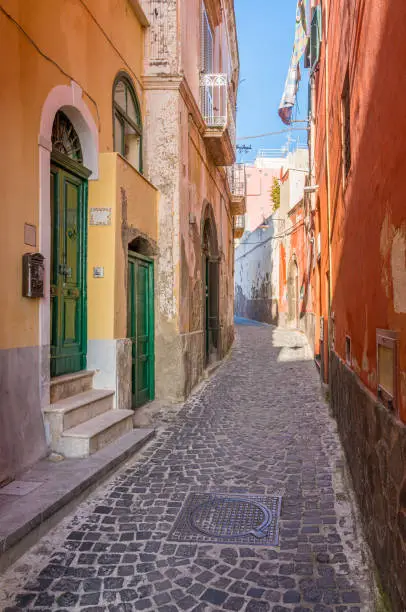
[33, 275]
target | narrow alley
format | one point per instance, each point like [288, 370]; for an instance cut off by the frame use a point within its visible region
[258, 427]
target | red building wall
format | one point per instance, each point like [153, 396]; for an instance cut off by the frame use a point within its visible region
[362, 221]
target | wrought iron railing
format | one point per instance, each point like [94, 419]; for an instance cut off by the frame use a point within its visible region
[239, 222]
[216, 103]
[237, 180]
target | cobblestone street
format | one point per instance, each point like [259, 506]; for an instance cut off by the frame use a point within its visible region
[259, 426]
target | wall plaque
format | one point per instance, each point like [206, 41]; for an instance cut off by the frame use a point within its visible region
[30, 234]
[100, 216]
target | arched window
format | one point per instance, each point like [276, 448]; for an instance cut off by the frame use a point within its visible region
[127, 122]
[64, 138]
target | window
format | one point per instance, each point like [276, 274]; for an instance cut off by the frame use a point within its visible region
[206, 43]
[127, 127]
[65, 139]
[346, 125]
[387, 344]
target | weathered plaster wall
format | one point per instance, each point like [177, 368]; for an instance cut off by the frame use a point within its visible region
[257, 288]
[367, 230]
[178, 163]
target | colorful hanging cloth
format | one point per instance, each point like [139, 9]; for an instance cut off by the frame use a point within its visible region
[292, 82]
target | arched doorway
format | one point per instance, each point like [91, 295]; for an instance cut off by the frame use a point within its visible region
[69, 100]
[140, 320]
[68, 202]
[293, 293]
[211, 283]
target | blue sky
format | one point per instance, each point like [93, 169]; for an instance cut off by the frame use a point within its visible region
[266, 30]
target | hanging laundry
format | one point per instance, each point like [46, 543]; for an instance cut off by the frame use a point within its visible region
[292, 81]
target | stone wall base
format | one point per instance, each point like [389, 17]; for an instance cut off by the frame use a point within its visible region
[375, 445]
[22, 433]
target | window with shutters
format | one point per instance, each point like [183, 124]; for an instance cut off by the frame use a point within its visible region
[315, 37]
[207, 46]
[346, 125]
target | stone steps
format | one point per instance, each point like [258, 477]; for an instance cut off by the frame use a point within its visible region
[72, 411]
[93, 435]
[65, 386]
[82, 420]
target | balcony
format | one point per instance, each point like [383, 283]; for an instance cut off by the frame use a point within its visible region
[237, 182]
[239, 226]
[219, 116]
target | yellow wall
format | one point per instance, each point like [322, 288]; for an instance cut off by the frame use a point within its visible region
[67, 34]
[137, 203]
[133, 203]
[101, 252]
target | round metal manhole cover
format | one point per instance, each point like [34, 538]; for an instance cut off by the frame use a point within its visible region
[234, 518]
[231, 517]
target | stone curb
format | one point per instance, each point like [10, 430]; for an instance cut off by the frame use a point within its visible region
[26, 519]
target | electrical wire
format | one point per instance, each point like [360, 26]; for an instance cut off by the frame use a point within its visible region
[49, 59]
[273, 133]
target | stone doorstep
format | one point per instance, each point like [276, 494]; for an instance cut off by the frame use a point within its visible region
[67, 385]
[24, 520]
[91, 436]
[77, 409]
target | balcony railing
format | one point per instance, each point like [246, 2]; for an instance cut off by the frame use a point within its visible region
[239, 226]
[237, 180]
[218, 110]
[214, 99]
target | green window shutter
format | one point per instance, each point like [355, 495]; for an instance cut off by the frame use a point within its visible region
[315, 37]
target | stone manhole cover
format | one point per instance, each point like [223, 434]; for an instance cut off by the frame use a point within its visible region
[239, 519]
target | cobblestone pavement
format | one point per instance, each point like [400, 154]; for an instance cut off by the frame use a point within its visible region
[258, 427]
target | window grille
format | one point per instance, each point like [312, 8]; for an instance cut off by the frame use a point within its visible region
[206, 43]
[346, 125]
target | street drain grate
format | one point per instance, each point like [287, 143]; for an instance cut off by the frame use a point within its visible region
[228, 519]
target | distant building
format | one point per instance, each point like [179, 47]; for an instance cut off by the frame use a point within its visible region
[271, 267]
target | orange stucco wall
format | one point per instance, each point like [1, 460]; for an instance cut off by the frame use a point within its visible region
[73, 44]
[368, 231]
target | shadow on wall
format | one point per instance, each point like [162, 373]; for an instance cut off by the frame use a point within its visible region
[258, 308]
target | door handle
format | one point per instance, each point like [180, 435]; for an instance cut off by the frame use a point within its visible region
[65, 271]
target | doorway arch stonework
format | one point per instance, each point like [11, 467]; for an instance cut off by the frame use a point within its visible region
[67, 98]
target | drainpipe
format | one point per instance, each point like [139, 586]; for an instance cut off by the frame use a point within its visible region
[327, 88]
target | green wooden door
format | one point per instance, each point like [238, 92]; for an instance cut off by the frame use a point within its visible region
[68, 272]
[141, 327]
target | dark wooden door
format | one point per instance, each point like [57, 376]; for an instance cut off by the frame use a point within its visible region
[212, 308]
[141, 327]
[68, 272]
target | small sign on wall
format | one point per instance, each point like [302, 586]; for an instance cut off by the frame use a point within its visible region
[100, 216]
[98, 272]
